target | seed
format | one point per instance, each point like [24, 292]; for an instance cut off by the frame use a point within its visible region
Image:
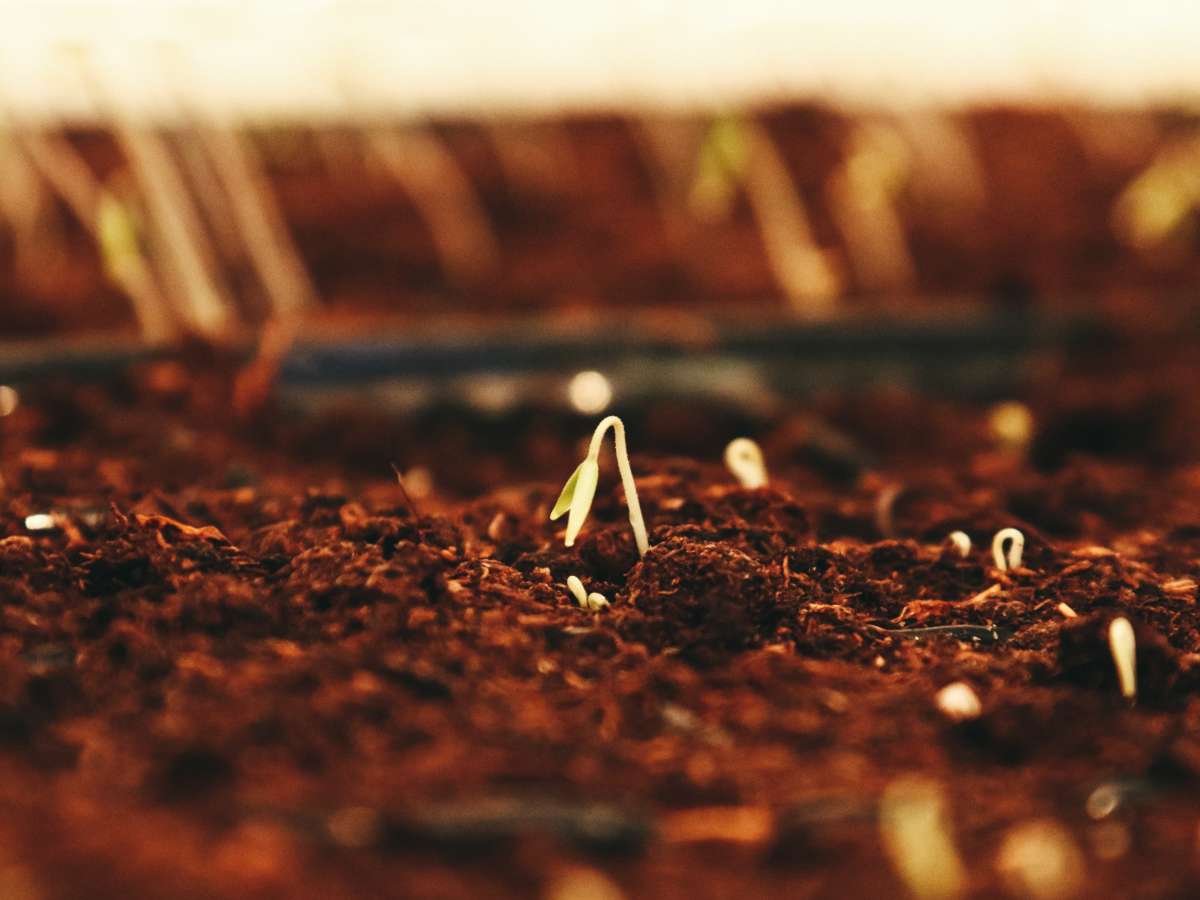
[958, 702]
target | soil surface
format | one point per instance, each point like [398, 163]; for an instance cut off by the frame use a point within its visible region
[239, 661]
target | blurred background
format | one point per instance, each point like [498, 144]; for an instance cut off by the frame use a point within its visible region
[722, 197]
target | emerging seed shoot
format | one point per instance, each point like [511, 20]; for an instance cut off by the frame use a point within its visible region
[1016, 547]
[915, 828]
[958, 702]
[961, 542]
[594, 601]
[1123, 647]
[744, 458]
[580, 489]
[578, 591]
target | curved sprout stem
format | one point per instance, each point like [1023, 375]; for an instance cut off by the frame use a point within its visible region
[636, 522]
[1016, 549]
[744, 458]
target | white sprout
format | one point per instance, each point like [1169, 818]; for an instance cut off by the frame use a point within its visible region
[1066, 611]
[1016, 547]
[593, 601]
[580, 489]
[915, 828]
[744, 458]
[958, 702]
[961, 541]
[1123, 647]
[578, 591]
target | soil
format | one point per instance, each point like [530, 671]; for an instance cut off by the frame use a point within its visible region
[243, 662]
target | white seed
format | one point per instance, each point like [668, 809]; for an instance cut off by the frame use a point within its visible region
[578, 591]
[596, 601]
[1066, 611]
[744, 458]
[961, 541]
[1040, 860]
[40, 522]
[1016, 548]
[916, 833]
[1123, 646]
[958, 702]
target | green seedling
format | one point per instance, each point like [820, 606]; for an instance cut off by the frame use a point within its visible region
[1016, 548]
[580, 489]
[744, 458]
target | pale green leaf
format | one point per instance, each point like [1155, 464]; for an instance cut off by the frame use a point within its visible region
[563, 503]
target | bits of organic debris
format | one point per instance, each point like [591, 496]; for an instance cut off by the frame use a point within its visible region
[1041, 861]
[722, 824]
[706, 598]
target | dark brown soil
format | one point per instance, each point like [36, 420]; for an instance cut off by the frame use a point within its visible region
[243, 665]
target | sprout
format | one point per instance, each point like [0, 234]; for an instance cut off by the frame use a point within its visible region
[744, 459]
[1017, 546]
[916, 834]
[1066, 611]
[958, 702]
[1038, 859]
[961, 541]
[1123, 647]
[594, 601]
[580, 489]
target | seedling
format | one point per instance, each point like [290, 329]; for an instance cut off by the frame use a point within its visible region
[961, 542]
[1016, 547]
[594, 601]
[580, 489]
[958, 702]
[744, 458]
[1123, 646]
